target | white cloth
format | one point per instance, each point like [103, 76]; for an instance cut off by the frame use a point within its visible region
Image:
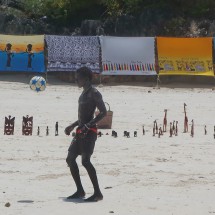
[128, 55]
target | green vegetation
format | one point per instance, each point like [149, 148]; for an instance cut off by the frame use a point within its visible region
[166, 16]
[74, 11]
[64, 12]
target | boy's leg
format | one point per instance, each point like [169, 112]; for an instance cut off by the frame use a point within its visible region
[93, 177]
[71, 161]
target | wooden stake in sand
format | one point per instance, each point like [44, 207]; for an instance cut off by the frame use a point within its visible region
[154, 128]
[214, 132]
[38, 131]
[143, 130]
[165, 121]
[192, 128]
[173, 128]
[56, 129]
[185, 119]
[170, 131]
[160, 132]
[47, 131]
[176, 129]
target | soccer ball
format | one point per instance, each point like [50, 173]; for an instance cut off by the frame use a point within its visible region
[38, 83]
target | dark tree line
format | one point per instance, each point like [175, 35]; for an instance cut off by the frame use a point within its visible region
[70, 13]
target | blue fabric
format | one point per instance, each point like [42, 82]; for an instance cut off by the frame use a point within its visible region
[19, 62]
[22, 53]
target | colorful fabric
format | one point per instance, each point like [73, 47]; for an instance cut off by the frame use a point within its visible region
[185, 56]
[22, 53]
[128, 55]
[68, 53]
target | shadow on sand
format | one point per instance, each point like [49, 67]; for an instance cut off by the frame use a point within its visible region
[26, 201]
[76, 201]
[170, 82]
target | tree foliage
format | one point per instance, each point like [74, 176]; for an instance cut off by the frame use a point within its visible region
[72, 12]
[66, 12]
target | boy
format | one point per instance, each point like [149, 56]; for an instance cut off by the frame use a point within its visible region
[86, 134]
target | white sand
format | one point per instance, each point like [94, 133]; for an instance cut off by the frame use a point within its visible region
[148, 175]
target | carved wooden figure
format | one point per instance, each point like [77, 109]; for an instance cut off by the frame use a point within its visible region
[47, 131]
[56, 129]
[214, 132]
[185, 107]
[27, 125]
[9, 125]
[205, 130]
[176, 129]
[160, 132]
[143, 130]
[99, 134]
[114, 134]
[185, 122]
[165, 121]
[192, 128]
[156, 126]
[173, 128]
[125, 133]
[170, 130]
[38, 131]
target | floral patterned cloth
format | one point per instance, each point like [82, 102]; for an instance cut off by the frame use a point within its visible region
[69, 53]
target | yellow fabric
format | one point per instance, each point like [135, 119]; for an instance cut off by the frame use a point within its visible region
[185, 56]
[19, 42]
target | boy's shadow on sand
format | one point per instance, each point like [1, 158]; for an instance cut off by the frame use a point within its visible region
[76, 201]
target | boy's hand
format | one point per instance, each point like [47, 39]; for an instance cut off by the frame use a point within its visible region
[69, 129]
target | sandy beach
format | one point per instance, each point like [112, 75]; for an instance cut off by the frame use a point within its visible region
[138, 176]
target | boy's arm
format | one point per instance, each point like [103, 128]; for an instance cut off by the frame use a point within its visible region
[70, 128]
[101, 107]
[74, 124]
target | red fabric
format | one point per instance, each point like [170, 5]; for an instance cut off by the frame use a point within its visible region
[78, 131]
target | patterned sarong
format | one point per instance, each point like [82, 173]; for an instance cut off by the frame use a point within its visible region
[69, 53]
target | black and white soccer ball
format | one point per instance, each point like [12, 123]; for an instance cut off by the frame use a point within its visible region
[38, 83]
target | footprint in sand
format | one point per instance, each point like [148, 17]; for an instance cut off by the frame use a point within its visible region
[161, 160]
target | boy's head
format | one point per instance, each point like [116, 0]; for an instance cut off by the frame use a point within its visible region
[83, 75]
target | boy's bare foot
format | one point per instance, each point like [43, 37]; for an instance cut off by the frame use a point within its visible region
[77, 195]
[94, 198]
